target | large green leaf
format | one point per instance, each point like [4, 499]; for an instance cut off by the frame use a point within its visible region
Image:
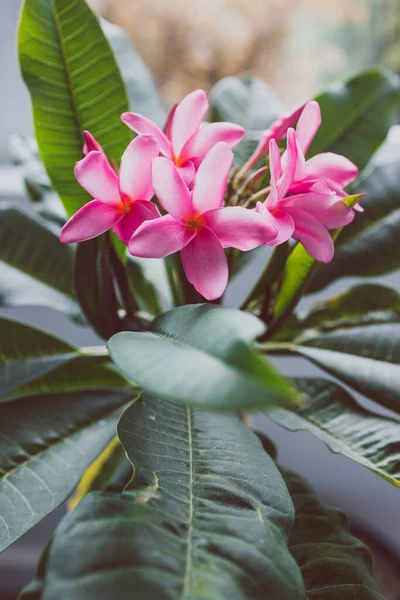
[330, 413]
[368, 247]
[27, 353]
[248, 101]
[46, 443]
[74, 84]
[199, 354]
[35, 268]
[335, 565]
[357, 115]
[299, 270]
[142, 92]
[78, 374]
[360, 305]
[207, 516]
[366, 358]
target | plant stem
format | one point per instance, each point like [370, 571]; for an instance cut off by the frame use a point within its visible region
[94, 351]
[275, 348]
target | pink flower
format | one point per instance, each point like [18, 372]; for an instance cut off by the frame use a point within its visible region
[120, 201]
[335, 170]
[183, 140]
[197, 225]
[91, 144]
[306, 216]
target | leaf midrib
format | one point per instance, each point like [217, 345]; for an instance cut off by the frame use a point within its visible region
[187, 577]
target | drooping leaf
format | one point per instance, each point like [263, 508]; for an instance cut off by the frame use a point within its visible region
[207, 516]
[77, 375]
[74, 84]
[366, 358]
[357, 115]
[368, 246]
[142, 92]
[27, 353]
[248, 101]
[35, 268]
[46, 443]
[330, 413]
[199, 354]
[335, 565]
[94, 285]
[299, 269]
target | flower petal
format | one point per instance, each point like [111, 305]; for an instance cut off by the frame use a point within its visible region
[97, 177]
[239, 227]
[168, 124]
[187, 119]
[331, 167]
[140, 124]
[282, 222]
[93, 219]
[211, 178]
[313, 235]
[330, 211]
[140, 212]
[209, 135]
[187, 172]
[308, 125]
[90, 143]
[170, 188]
[135, 172]
[159, 237]
[205, 264]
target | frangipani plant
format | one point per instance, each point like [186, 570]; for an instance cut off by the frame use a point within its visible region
[176, 495]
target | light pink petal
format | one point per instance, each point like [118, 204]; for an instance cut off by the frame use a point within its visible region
[168, 124]
[209, 135]
[187, 172]
[135, 172]
[93, 219]
[278, 129]
[91, 144]
[313, 235]
[330, 211]
[282, 222]
[187, 119]
[293, 163]
[276, 171]
[97, 177]
[170, 188]
[159, 237]
[140, 212]
[308, 125]
[205, 264]
[211, 178]
[331, 167]
[140, 124]
[239, 227]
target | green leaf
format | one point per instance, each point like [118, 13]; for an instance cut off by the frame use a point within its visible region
[46, 443]
[78, 374]
[366, 358]
[75, 84]
[27, 353]
[35, 268]
[357, 115]
[94, 285]
[149, 283]
[334, 563]
[299, 269]
[207, 516]
[248, 101]
[360, 305]
[142, 92]
[330, 413]
[368, 246]
[199, 354]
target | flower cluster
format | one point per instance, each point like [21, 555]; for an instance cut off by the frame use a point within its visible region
[187, 167]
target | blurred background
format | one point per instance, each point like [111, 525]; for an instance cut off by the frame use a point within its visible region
[297, 47]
